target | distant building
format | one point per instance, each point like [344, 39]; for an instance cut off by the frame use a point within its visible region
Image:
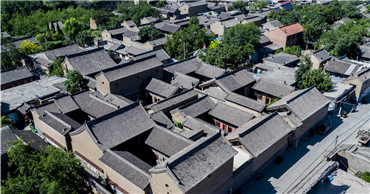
[192, 9]
[287, 35]
[340, 68]
[282, 59]
[267, 91]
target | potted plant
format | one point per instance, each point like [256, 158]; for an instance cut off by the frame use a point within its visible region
[344, 113]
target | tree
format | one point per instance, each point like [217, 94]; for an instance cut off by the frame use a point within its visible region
[304, 67]
[240, 6]
[10, 57]
[161, 3]
[149, 33]
[228, 56]
[75, 82]
[317, 78]
[5, 121]
[55, 68]
[214, 44]
[189, 39]
[50, 170]
[27, 47]
[194, 20]
[84, 38]
[294, 50]
[71, 28]
[242, 34]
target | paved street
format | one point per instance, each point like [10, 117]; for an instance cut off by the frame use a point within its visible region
[298, 163]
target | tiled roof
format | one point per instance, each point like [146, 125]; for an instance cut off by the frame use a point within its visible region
[292, 29]
[161, 88]
[272, 88]
[229, 114]
[14, 75]
[245, 101]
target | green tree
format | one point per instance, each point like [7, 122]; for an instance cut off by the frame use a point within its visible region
[55, 68]
[50, 170]
[5, 121]
[214, 44]
[294, 50]
[161, 3]
[27, 47]
[240, 6]
[10, 57]
[71, 28]
[304, 67]
[84, 38]
[228, 56]
[75, 82]
[317, 78]
[189, 39]
[242, 34]
[149, 33]
[102, 16]
[194, 20]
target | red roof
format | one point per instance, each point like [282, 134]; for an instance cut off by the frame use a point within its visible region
[285, 2]
[292, 29]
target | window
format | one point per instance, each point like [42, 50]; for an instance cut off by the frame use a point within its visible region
[217, 123]
[102, 82]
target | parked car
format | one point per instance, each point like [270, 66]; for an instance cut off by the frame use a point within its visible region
[323, 129]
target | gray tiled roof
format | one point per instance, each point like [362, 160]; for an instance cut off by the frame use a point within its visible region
[280, 74]
[193, 164]
[365, 51]
[282, 58]
[158, 42]
[362, 75]
[168, 28]
[166, 141]
[322, 55]
[5, 34]
[13, 75]
[209, 71]
[186, 66]
[65, 103]
[302, 103]
[245, 101]
[257, 137]
[216, 92]
[59, 122]
[90, 62]
[159, 53]
[198, 124]
[340, 67]
[119, 126]
[116, 31]
[161, 88]
[129, 166]
[235, 80]
[93, 105]
[34, 140]
[161, 119]
[7, 135]
[132, 50]
[64, 51]
[229, 114]
[115, 99]
[174, 101]
[131, 68]
[197, 107]
[272, 88]
[272, 24]
[184, 81]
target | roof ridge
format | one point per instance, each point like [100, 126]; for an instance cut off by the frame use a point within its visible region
[128, 64]
[259, 123]
[300, 94]
[102, 101]
[173, 133]
[177, 62]
[84, 52]
[58, 119]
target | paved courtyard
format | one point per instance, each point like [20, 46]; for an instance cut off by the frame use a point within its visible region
[299, 162]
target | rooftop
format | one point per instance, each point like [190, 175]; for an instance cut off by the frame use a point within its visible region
[16, 96]
[229, 114]
[184, 81]
[245, 102]
[16, 74]
[292, 29]
[90, 62]
[7, 135]
[161, 88]
[272, 88]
